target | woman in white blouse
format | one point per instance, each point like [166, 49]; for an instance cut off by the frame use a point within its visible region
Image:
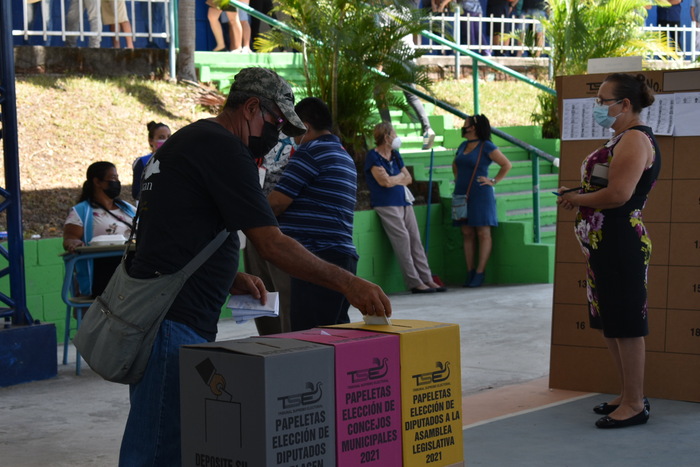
[99, 212]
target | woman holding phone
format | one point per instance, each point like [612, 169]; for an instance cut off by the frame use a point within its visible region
[616, 179]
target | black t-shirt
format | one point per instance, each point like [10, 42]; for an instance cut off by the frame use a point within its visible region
[203, 180]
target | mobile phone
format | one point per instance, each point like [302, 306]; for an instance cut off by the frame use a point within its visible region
[566, 191]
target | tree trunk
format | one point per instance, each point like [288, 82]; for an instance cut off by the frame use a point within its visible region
[186, 32]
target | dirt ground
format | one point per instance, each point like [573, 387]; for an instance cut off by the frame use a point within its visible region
[65, 123]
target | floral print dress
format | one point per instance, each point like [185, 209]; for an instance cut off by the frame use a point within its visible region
[617, 249]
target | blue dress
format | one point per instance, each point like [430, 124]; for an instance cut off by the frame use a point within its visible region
[481, 203]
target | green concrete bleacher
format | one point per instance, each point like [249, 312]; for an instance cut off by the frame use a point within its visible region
[514, 200]
[219, 68]
[516, 258]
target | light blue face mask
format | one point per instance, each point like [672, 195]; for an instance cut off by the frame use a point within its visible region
[295, 146]
[600, 114]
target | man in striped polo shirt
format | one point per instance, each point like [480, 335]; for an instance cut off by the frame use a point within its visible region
[314, 202]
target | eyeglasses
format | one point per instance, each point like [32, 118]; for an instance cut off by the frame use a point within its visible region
[279, 121]
[600, 101]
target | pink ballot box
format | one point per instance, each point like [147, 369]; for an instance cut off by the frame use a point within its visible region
[367, 394]
[431, 390]
[257, 403]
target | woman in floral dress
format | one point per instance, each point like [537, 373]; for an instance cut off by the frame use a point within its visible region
[615, 182]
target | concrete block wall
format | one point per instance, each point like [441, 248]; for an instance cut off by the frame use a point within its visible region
[43, 269]
[377, 260]
[44, 266]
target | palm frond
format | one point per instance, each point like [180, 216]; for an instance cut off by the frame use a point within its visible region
[579, 30]
[344, 44]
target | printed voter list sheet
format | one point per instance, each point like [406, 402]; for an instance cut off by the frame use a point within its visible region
[687, 114]
[578, 122]
[660, 115]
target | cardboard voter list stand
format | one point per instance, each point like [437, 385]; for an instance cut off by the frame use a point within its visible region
[257, 402]
[367, 394]
[431, 390]
[579, 360]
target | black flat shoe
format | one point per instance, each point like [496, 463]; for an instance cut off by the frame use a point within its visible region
[441, 289]
[639, 419]
[417, 290]
[477, 280]
[606, 409]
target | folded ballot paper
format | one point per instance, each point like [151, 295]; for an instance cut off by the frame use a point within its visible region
[245, 307]
[374, 319]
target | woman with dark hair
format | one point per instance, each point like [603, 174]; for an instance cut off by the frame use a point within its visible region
[99, 212]
[474, 200]
[615, 182]
[158, 133]
[387, 179]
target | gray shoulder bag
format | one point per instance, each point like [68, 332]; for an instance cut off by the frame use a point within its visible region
[117, 333]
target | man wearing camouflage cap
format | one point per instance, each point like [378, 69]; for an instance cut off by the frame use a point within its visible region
[202, 180]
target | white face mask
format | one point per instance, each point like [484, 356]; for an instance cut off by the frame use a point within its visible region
[396, 144]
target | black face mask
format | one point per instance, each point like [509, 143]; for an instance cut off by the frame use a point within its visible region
[114, 187]
[261, 145]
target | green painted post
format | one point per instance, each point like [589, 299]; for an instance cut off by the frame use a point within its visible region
[535, 195]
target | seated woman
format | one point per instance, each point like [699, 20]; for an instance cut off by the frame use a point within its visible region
[387, 178]
[99, 212]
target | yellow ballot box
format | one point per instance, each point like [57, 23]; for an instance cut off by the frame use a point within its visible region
[431, 390]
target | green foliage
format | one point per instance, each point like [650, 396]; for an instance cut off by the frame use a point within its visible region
[582, 29]
[578, 30]
[344, 43]
[547, 117]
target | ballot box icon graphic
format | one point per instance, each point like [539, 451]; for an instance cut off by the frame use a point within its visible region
[221, 410]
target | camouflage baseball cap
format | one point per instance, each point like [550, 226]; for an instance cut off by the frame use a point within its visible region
[268, 84]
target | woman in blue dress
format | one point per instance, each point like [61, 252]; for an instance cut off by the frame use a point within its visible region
[470, 169]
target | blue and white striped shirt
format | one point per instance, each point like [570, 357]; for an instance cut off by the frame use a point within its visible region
[322, 180]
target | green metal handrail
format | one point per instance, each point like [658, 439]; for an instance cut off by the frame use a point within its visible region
[531, 150]
[476, 58]
[480, 58]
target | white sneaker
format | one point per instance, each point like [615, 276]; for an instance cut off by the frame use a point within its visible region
[246, 50]
[236, 51]
[428, 138]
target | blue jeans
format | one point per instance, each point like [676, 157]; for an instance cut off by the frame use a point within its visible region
[312, 305]
[152, 433]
